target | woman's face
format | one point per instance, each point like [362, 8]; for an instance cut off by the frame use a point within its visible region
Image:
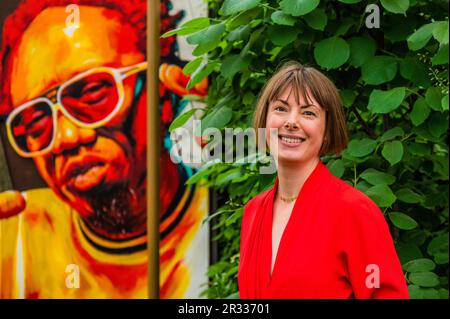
[300, 128]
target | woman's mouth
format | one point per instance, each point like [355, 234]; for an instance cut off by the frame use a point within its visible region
[291, 140]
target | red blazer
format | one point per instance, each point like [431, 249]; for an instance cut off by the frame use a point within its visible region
[336, 244]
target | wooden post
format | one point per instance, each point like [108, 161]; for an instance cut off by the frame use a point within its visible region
[153, 142]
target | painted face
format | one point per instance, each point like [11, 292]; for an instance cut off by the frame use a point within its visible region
[301, 128]
[86, 165]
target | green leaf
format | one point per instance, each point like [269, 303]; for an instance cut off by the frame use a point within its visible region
[189, 27]
[441, 258]
[217, 118]
[419, 149]
[438, 124]
[402, 221]
[434, 98]
[441, 57]
[379, 69]
[423, 133]
[393, 152]
[192, 97]
[197, 23]
[382, 195]
[248, 98]
[243, 18]
[211, 34]
[197, 176]
[375, 177]
[234, 6]
[386, 101]
[361, 49]
[207, 39]
[420, 38]
[266, 181]
[348, 97]
[441, 167]
[392, 133]
[416, 236]
[362, 186]
[180, 120]
[336, 167]
[360, 148]
[239, 34]
[202, 72]
[228, 176]
[298, 7]
[205, 47]
[211, 217]
[234, 295]
[420, 112]
[255, 36]
[180, 31]
[408, 196]
[444, 102]
[407, 252]
[282, 35]
[419, 265]
[430, 293]
[415, 292]
[279, 17]
[416, 71]
[440, 32]
[443, 293]
[317, 19]
[192, 65]
[176, 31]
[424, 279]
[395, 6]
[340, 49]
[234, 64]
[438, 245]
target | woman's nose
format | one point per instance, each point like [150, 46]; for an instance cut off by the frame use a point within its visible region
[70, 136]
[292, 122]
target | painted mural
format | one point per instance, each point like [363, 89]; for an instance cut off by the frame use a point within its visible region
[73, 162]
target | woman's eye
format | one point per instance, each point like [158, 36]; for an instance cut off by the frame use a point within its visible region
[309, 113]
[280, 108]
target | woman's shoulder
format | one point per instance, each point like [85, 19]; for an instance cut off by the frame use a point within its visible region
[351, 199]
[257, 200]
[252, 207]
[355, 212]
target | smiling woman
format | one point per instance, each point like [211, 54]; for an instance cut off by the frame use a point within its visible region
[312, 235]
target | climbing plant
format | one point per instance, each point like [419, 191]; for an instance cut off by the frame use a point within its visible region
[392, 74]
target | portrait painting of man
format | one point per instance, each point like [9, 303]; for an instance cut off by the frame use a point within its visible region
[74, 103]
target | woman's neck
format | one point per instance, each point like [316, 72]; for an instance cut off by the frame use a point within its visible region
[292, 176]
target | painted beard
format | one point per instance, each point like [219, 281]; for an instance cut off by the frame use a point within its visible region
[116, 212]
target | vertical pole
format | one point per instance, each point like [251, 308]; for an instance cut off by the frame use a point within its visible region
[153, 142]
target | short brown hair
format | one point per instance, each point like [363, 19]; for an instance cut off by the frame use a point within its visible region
[307, 80]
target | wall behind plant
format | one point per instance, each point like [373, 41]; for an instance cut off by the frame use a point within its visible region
[393, 80]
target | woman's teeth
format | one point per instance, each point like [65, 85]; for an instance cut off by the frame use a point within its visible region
[292, 140]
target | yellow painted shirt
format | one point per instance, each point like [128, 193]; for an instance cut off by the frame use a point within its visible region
[46, 248]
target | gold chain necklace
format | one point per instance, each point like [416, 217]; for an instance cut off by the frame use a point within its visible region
[288, 199]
